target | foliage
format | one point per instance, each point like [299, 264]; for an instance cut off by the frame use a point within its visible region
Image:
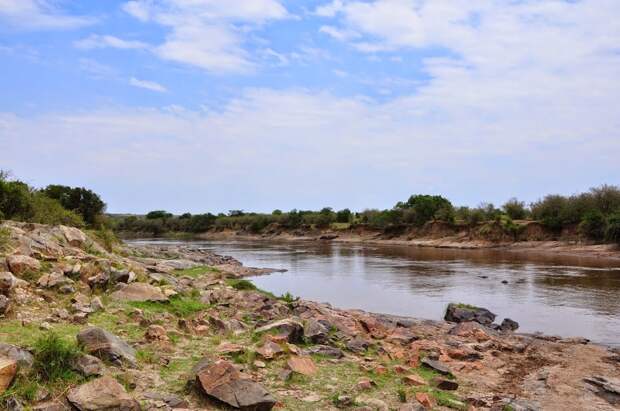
[593, 225]
[179, 305]
[426, 207]
[153, 215]
[53, 356]
[46, 210]
[78, 199]
[515, 209]
[613, 228]
[241, 284]
[5, 236]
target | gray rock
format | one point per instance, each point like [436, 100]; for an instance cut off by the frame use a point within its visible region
[606, 388]
[7, 282]
[325, 350]
[509, 325]
[106, 346]
[292, 329]
[19, 264]
[5, 304]
[315, 332]
[457, 313]
[139, 292]
[24, 359]
[88, 365]
[358, 345]
[437, 366]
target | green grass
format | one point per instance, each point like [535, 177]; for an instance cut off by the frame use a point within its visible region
[196, 272]
[467, 306]
[53, 356]
[179, 305]
[240, 284]
[5, 236]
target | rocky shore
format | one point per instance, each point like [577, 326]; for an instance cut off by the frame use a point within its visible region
[177, 328]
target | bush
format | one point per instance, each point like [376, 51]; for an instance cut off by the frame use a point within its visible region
[78, 199]
[425, 207]
[593, 225]
[515, 209]
[613, 228]
[344, 216]
[153, 215]
[53, 357]
[47, 210]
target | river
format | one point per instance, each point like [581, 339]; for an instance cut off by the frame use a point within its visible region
[556, 295]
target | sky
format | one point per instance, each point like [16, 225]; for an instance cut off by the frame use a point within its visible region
[212, 105]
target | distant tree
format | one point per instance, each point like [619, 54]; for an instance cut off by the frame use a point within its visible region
[613, 228]
[158, 214]
[236, 213]
[593, 225]
[344, 216]
[515, 209]
[276, 212]
[15, 200]
[425, 207]
[185, 216]
[78, 199]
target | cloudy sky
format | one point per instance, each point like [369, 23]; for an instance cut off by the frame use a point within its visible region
[210, 105]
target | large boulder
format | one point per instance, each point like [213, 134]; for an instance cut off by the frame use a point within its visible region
[102, 394]
[222, 381]
[24, 359]
[8, 369]
[74, 236]
[292, 329]
[316, 332]
[139, 292]
[107, 346]
[7, 282]
[459, 313]
[19, 264]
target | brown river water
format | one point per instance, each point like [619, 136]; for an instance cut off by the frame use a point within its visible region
[556, 295]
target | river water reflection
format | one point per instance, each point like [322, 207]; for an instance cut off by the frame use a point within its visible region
[557, 295]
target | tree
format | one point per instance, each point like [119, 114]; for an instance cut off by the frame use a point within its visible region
[515, 209]
[343, 216]
[78, 199]
[593, 225]
[158, 214]
[613, 228]
[425, 207]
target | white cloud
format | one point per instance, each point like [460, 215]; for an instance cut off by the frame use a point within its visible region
[469, 148]
[208, 34]
[329, 10]
[149, 85]
[39, 15]
[96, 41]
[96, 69]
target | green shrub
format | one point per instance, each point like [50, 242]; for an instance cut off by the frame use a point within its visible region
[53, 357]
[5, 236]
[515, 209]
[49, 211]
[79, 200]
[593, 225]
[241, 284]
[613, 228]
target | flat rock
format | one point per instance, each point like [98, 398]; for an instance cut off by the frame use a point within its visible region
[19, 264]
[51, 406]
[458, 313]
[437, 366]
[325, 350]
[302, 365]
[8, 369]
[74, 236]
[88, 365]
[102, 394]
[107, 346]
[222, 381]
[315, 331]
[7, 282]
[139, 292]
[292, 329]
[606, 388]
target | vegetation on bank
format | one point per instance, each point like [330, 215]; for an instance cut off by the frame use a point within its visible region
[594, 215]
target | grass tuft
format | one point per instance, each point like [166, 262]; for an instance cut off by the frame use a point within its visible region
[53, 356]
[179, 305]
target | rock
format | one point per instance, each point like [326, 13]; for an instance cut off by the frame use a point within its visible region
[343, 401]
[96, 305]
[269, 350]
[315, 332]
[414, 380]
[606, 388]
[302, 365]
[509, 325]
[292, 329]
[139, 292]
[458, 313]
[7, 282]
[325, 350]
[156, 333]
[376, 404]
[445, 384]
[74, 236]
[358, 345]
[472, 330]
[102, 394]
[99, 280]
[106, 346]
[24, 359]
[311, 398]
[8, 369]
[222, 381]
[437, 366]
[13, 404]
[51, 406]
[53, 280]
[88, 365]
[411, 407]
[19, 264]
[5, 304]
[365, 384]
[424, 399]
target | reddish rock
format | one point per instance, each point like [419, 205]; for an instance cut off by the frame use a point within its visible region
[8, 369]
[269, 350]
[302, 365]
[414, 380]
[222, 381]
[365, 384]
[292, 329]
[156, 333]
[19, 264]
[424, 399]
[102, 394]
[139, 292]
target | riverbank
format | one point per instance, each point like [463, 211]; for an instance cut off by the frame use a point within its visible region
[601, 252]
[181, 329]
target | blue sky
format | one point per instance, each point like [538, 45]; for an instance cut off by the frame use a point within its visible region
[210, 105]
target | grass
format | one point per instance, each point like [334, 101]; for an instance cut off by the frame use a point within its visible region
[53, 356]
[179, 305]
[5, 236]
[467, 306]
[196, 272]
[242, 285]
